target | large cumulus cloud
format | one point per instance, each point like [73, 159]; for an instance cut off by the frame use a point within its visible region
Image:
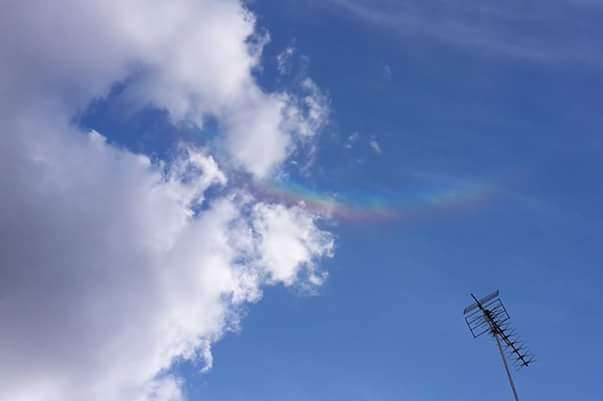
[112, 266]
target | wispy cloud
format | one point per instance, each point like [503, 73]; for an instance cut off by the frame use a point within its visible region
[565, 31]
[387, 72]
[375, 146]
[351, 140]
[283, 60]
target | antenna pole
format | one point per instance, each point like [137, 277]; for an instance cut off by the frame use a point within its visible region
[489, 315]
[502, 355]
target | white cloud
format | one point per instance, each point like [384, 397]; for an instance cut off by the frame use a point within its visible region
[107, 275]
[375, 146]
[193, 58]
[165, 389]
[109, 270]
[287, 240]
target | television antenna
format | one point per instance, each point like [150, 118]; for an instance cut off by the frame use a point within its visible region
[489, 315]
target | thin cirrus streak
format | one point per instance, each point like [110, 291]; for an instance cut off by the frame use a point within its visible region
[378, 207]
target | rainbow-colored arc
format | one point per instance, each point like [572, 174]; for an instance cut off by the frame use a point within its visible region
[377, 207]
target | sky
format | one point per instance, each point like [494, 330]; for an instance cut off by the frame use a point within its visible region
[237, 201]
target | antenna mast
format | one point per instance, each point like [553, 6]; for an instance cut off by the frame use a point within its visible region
[489, 315]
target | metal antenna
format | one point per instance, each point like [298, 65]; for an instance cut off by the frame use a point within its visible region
[488, 315]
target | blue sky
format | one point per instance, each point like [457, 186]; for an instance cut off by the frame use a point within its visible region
[436, 149]
[388, 323]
